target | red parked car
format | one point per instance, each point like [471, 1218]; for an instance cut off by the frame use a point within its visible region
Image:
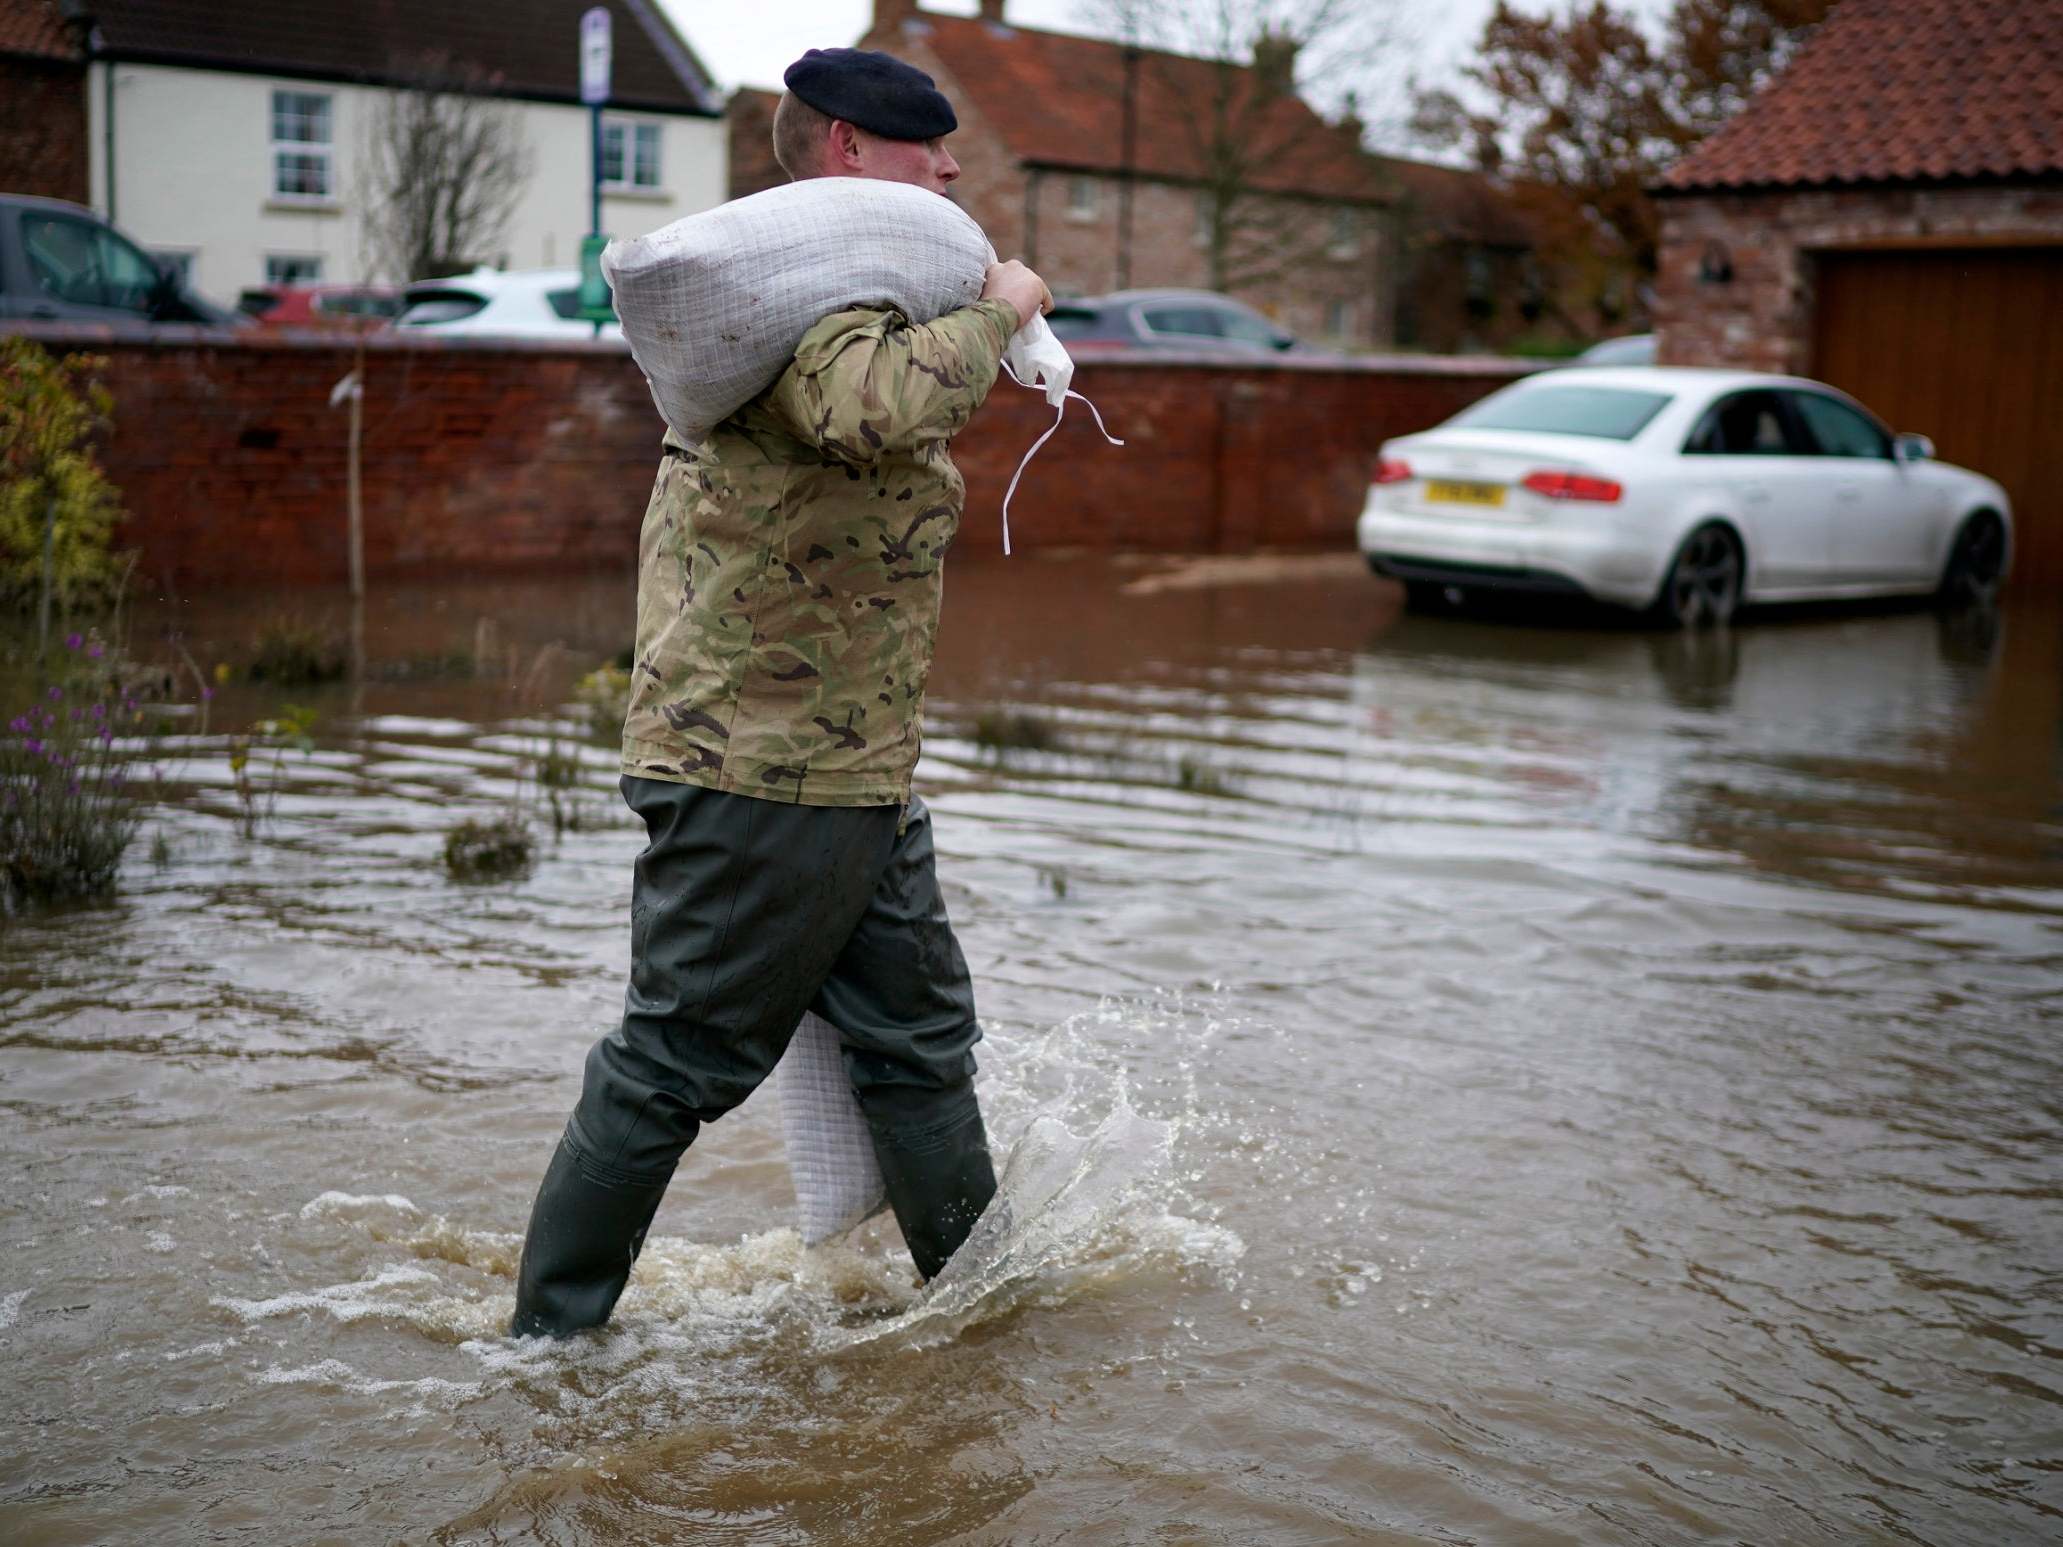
[322, 306]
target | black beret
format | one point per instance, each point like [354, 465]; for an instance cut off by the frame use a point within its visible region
[878, 92]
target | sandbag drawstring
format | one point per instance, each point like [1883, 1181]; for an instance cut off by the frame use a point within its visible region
[1059, 414]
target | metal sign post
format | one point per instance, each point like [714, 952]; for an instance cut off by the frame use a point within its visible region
[594, 91]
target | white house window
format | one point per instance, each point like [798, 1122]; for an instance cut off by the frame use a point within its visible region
[1339, 319]
[1206, 214]
[292, 269]
[1346, 232]
[1081, 198]
[630, 154]
[301, 146]
[175, 261]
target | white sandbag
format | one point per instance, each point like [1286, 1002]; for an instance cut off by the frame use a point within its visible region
[830, 1153]
[714, 305]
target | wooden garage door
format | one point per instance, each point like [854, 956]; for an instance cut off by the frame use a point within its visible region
[1965, 347]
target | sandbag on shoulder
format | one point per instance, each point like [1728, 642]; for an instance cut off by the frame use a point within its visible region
[714, 304]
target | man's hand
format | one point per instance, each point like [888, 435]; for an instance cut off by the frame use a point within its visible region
[1018, 285]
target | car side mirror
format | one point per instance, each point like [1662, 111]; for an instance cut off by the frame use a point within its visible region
[1912, 448]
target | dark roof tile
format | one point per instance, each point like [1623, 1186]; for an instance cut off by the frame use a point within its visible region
[532, 45]
[35, 29]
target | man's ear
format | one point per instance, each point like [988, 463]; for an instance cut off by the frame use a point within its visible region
[844, 146]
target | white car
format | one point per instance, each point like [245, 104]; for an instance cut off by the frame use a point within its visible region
[1685, 491]
[529, 303]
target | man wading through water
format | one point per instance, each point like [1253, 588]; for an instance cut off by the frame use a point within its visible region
[788, 596]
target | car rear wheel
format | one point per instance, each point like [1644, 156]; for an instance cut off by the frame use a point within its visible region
[1703, 586]
[1425, 596]
[1976, 563]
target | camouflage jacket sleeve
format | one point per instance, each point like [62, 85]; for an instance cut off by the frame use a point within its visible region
[868, 383]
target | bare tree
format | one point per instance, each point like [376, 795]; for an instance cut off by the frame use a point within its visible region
[446, 162]
[1237, 76]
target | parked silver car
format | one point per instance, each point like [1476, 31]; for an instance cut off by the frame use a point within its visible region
[1166, 319]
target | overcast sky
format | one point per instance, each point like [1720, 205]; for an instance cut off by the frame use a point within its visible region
[750, 44]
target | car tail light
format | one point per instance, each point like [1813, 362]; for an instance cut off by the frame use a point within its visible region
[1390, 470]
[1574, 486]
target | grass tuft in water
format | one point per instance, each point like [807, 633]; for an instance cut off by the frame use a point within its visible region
[292, 652]
[1197, 776]
[491, 850]
[1003, 731]
[605, 694]
[66, 817]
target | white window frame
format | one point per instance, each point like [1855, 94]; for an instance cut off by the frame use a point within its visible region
[310, 262]
[177, 261]
[630, 129]
[1346, 231]
[1339, 318]
[1084, 196]
[323, 151]
[1206, 214]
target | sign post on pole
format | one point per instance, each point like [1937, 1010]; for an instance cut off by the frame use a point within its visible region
[594, 91]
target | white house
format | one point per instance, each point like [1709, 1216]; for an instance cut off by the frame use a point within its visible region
[233, 140]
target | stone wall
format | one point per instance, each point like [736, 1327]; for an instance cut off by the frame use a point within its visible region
[1762, 317]
[489, 457]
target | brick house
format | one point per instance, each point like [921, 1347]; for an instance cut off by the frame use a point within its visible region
[1052, 173]
[1888, 216]
[42, 100]
[232, 140]
[1467, 280]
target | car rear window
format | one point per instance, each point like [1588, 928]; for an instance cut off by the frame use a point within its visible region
[428, 306]
[1072, 321]
[1609, 413]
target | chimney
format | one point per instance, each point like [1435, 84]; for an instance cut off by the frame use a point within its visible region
[992, 12]
[1275, 62]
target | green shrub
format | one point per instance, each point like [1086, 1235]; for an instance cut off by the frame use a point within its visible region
[605, 693]
[65, 816]
[50, 482]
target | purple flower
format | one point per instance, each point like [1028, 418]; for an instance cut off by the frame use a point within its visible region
[56, 694]
[106, 736]
[206, 694]
[19, 723]
[95, 651]
[34, 746]
[73, 787]
[73, 641]
[99, 712]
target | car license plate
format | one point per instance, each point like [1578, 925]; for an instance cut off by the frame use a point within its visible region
[1447, 491]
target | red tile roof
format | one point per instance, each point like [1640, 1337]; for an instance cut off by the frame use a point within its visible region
[35, 28]
[1058, 101]
[1901, 91]
[533, 45]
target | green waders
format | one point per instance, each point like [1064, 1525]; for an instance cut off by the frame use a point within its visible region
[744, 914]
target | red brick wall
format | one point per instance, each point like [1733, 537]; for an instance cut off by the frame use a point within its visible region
[43, 129]
[501, 457]
[1762, 318]
[749, 124]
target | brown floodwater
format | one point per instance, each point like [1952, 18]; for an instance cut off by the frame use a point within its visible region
[1493, 1080]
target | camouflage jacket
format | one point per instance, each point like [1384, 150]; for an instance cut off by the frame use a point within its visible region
[788, 569]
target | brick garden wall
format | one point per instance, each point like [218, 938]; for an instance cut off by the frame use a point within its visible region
[500, 457]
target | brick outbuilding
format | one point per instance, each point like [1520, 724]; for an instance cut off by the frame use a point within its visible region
[1888, 216]
[42, 100]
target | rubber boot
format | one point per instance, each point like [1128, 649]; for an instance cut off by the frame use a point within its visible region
[938, 1186]
[584, 1235]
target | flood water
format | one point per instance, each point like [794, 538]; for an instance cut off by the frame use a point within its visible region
[1460, 1081]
